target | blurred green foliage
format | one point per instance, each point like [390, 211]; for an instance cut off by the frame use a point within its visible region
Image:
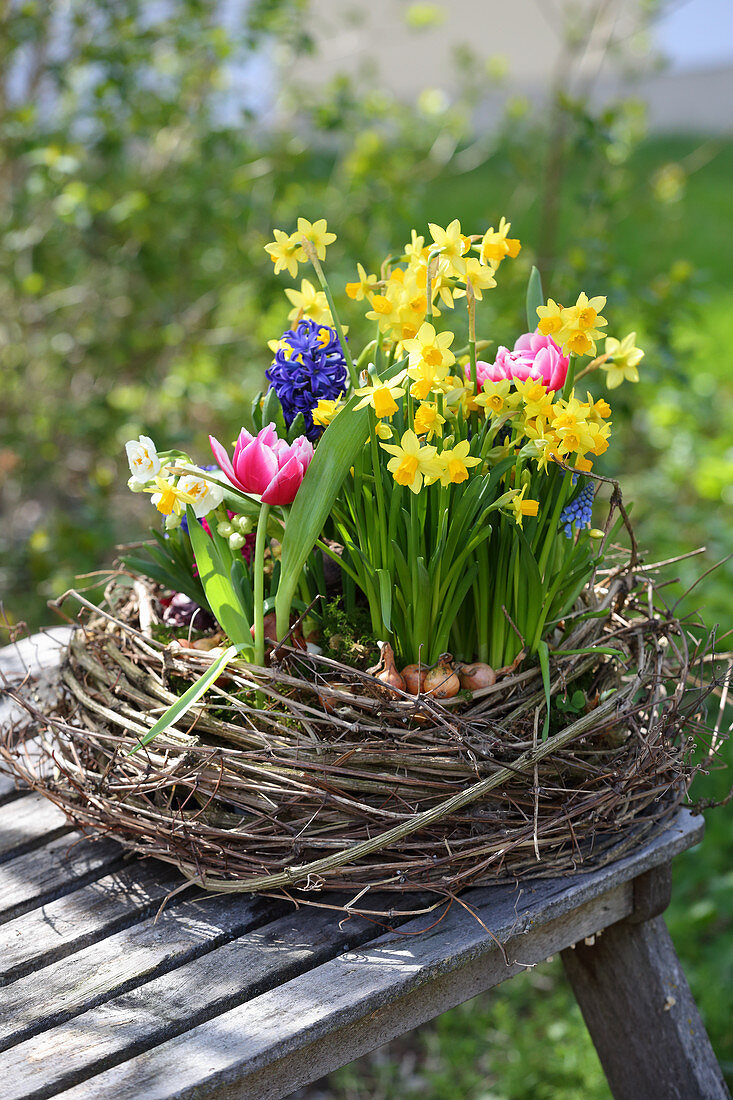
[136, 192]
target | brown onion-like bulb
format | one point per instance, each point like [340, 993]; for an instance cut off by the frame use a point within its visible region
[388, 673]
[476, 676]
[331, 702]
[414, 678]
[442, 681]
[296, 639]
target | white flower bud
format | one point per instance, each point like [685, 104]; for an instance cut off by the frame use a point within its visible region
[236, 541]
[225, 529]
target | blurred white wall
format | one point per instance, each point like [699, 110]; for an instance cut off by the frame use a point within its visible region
[682, 68]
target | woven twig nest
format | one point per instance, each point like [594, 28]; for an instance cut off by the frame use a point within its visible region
[358, 786]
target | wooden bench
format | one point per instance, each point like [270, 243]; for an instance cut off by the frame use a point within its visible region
[245, 997]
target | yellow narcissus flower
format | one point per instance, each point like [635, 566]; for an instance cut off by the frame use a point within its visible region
[359, 291]
[623, 359]
[318, 235]
[309, 302]
[453, 247]
[325, 411]
[550, 319]
[536, 400]
[285, 251]
[430, 348]
[381, 396]
[412, 462]
[523, 507]
[455, 463]
[494, 397]
[495, 245]
[582, 325]
[428, 421]
[481, 276]
[170, 499]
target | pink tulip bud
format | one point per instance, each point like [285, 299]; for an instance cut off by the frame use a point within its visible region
[265, 465]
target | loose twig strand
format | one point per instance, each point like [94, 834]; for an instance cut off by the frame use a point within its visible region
[359, 787]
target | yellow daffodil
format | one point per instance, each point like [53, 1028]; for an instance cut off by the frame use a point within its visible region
[416, 253]
[430, 348]
[325, 411]
[170, 499]
[358, 291]
[550, 318]
[582, 325]
[381, 396]
[285, 251]
[542, 444]
[599, 410]
[412, 462]
[455, 463]
[308, 302]
[318, 235]
[481, 276]
[453, 247]
[383, 429]
[522, 507]
[496, 245]
[536, 400]
[428, 421]
[494, 396]
[623, 359]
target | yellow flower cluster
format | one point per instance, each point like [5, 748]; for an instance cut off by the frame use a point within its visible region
[288, 249]
[569, 430]
[414, 463]
[399, 300]
[575, 328]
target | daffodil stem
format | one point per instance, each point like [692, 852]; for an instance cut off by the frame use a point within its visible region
[312, 256]
[259, 585]
[570, 380]
[471, 303]
[378, 486]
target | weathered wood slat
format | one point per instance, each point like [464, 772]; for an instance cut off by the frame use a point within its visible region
[308, 1025]
[61, 927]
[123, 961]
[62, 865]
[642, 1017]
[8, 787]
[38, 654]
[177, 1001]
[28, 822]
[312, 1023]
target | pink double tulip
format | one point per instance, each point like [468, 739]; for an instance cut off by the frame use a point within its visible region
[534, 356]
[266, 465]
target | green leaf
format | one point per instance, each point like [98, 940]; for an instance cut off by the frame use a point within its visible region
[535, 298]
[385, 597]
[544, 655]
[296, 428]
[215, 575]
[189, 697]
[272, 413]
[337, 451]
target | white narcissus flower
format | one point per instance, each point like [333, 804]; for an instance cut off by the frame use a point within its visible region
[207, 495]
[143, 459]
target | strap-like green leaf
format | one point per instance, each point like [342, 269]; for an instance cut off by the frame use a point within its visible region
[189, 697]
[216, 578]
[337, 451]
[535, 298]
